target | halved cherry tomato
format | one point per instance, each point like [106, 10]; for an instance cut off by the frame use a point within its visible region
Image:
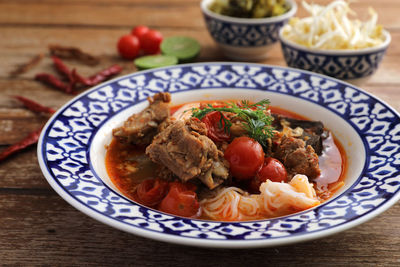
[245, 156]
[150, 192]
[272, 170]
[139, 31]
[180, 200]
[128, 46]
[150, 42]
[216, 127]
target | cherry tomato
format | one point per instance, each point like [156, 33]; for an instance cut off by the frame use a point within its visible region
[150, 42]
[150, 192]
[139, 31]
[245, 156]
[216, 127]
[180, 200]
[128, 46]
[272, 170]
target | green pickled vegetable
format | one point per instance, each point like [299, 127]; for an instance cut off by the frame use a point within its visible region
[249, 8]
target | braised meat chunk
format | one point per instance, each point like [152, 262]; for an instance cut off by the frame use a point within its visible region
[184, 148]
[297, 157]
[140, 128]
[312, 132]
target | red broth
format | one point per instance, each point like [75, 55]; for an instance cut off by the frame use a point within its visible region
[127, 165]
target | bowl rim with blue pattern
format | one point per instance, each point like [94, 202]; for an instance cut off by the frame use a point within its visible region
[338, 52]
[72, 144]
[293, 8]
[343, 64]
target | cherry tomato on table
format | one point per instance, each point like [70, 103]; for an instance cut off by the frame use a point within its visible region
[150, 42]
[150, 192]
[216, 127]
[128, 46]
[181, 200]
[139, 31]
[245, 156]
[272, 170]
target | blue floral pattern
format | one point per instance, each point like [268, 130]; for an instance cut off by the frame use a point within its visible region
[67, 140]
[243, 35]
[341, 67]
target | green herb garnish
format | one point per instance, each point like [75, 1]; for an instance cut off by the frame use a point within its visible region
[256, 121]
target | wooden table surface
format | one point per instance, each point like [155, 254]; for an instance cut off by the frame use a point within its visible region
[37, 227]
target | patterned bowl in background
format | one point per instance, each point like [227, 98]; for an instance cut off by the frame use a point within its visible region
[245, 39]
[341, 64]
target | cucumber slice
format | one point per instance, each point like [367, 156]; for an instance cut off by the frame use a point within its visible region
[155, 61]
[184, 48]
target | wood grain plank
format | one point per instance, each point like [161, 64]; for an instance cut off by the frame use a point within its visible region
[86, 14]
[37, 229]
[394, 3]
[115, 2]
[155, 15]
[21, 171]
[20, 45]
[28, 41]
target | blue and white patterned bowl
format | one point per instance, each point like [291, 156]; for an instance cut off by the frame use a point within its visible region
[245, 39]
[341, 64]
[71, 150]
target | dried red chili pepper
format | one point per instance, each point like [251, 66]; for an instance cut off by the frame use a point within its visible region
[74, 78]
[71, 75]
[73, 53]
[54, 82]
[30, 139]
[62, 68]
[80, 79]
[98, 77]
[27, 66]
[104, 74]
[34, 106]
[73, 82]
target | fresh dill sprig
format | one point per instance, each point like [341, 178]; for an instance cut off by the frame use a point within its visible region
[256, 121]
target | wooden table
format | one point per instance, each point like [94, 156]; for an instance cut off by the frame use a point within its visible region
[37, 227]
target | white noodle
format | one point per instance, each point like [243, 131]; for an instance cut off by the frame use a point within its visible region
[276, 199]
[328, 27]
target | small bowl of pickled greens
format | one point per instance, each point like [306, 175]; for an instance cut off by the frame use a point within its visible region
[250, 9]
[245, 30]
[332, 41]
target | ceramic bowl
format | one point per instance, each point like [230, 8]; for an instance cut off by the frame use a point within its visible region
[341, 64]
[245, 39]
[71, 151]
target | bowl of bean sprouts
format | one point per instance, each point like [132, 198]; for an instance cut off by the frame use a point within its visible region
[330, 43]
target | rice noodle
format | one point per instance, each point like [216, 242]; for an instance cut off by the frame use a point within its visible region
[276, 199]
